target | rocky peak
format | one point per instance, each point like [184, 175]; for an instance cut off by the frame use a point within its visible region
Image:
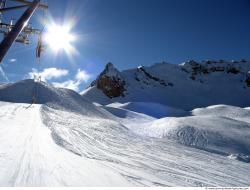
[110, 82]
[211, 66]
[110, 71]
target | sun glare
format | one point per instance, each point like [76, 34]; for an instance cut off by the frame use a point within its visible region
[59, 38]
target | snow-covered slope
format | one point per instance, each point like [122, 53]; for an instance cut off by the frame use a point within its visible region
[59, 98]
[42, 146]
[29, 156]
[232, 112]
[66, 140]
[186, 86]
[151, 109]
[220, 129]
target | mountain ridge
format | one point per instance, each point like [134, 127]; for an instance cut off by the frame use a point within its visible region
[199, 83]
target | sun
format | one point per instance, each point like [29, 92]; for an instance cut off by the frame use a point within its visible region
[59, 37]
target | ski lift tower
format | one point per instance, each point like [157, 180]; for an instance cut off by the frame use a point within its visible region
[20, 31]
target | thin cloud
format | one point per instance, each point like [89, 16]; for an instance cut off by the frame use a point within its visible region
[82, 75]
[12, 60]
[70, 84]
[49, 73]
[80, 78]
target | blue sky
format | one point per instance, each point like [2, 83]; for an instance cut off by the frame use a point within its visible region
[129, 33]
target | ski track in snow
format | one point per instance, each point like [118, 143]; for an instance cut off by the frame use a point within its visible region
[41, 146]
[142, 161]
[29, 156]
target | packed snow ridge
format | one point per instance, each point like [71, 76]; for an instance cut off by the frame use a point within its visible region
[130, 128]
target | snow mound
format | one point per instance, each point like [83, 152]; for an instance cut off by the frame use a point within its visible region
[224, 111]
[220, 131]
[58, 98]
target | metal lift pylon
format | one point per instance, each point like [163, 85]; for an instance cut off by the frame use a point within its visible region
[21, 26]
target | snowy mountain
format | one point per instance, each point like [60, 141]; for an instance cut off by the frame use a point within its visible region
[186, 86]
[126, 138]
[58, 98]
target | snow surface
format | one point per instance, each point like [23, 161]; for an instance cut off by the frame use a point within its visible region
[30, 157]
[65, 140]
[225, 111]
[34, 144]
[151, 109]
[220, 129]
[59, 98]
